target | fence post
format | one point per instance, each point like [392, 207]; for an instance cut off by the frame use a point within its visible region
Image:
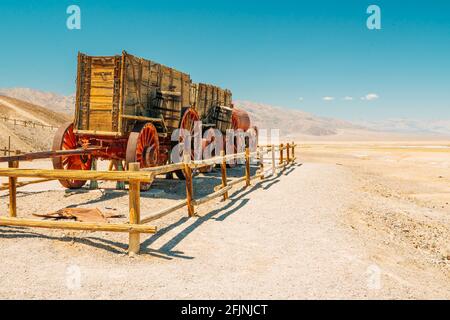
[293, 151]
[135, 210]
[273, 160]
[223, 168]
[120, 185]
[13, 190]
[261, 161]
[93, 184]
[287, 153]
[247, 167]
[281, 153]
[189, 191]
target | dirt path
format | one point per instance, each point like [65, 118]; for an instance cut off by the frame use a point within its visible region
[288, 237]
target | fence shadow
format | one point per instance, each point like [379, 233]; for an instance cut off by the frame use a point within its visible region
[9, 232]
[203, 184]
[236, 201]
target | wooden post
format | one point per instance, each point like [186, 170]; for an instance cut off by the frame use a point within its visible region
[293, 151]
[120, 185]
[12, 191]
[247, 167]
[287, 153]
[93, 184]
[223, 168]
[261, 162]
[189, 188]
[9, 145]
[111, 165]
[273, 159]
[281, 153]
[135, 210]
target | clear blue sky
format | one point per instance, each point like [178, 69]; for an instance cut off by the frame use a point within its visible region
[274, 52]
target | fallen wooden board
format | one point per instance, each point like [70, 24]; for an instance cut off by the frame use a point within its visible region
[79, 214]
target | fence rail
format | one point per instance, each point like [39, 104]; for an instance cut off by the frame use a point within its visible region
[135, 176]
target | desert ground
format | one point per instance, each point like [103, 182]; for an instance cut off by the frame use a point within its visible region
[348, 220]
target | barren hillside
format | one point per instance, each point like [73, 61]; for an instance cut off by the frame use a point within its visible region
[53, 101]
[33, 136]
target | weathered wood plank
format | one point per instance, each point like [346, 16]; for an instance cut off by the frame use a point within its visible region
[73, 225]
[164, 212]
[135, 209]
[58, 174]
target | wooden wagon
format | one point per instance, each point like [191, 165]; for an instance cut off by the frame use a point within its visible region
[128, 107]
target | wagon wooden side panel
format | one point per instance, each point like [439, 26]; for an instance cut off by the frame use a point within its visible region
[113, 92]
[98, 95]
[214, 105]
[155, 91]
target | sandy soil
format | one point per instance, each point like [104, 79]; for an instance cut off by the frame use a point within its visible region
[348, 221]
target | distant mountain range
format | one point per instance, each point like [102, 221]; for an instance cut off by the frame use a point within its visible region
[409, 126]
[292, 123]
[53, 101]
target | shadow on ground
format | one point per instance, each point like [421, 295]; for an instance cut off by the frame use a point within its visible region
[173, 189]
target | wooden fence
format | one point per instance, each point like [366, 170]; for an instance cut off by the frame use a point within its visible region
[134, 176]
[26, 123]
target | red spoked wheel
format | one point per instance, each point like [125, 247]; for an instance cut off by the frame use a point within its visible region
[65, 139]
[190, 116]
[208, 143]
[252, 137]
[230, 144]
[143, 147]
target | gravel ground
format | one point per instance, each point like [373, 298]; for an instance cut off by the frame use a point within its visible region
[297, 235]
